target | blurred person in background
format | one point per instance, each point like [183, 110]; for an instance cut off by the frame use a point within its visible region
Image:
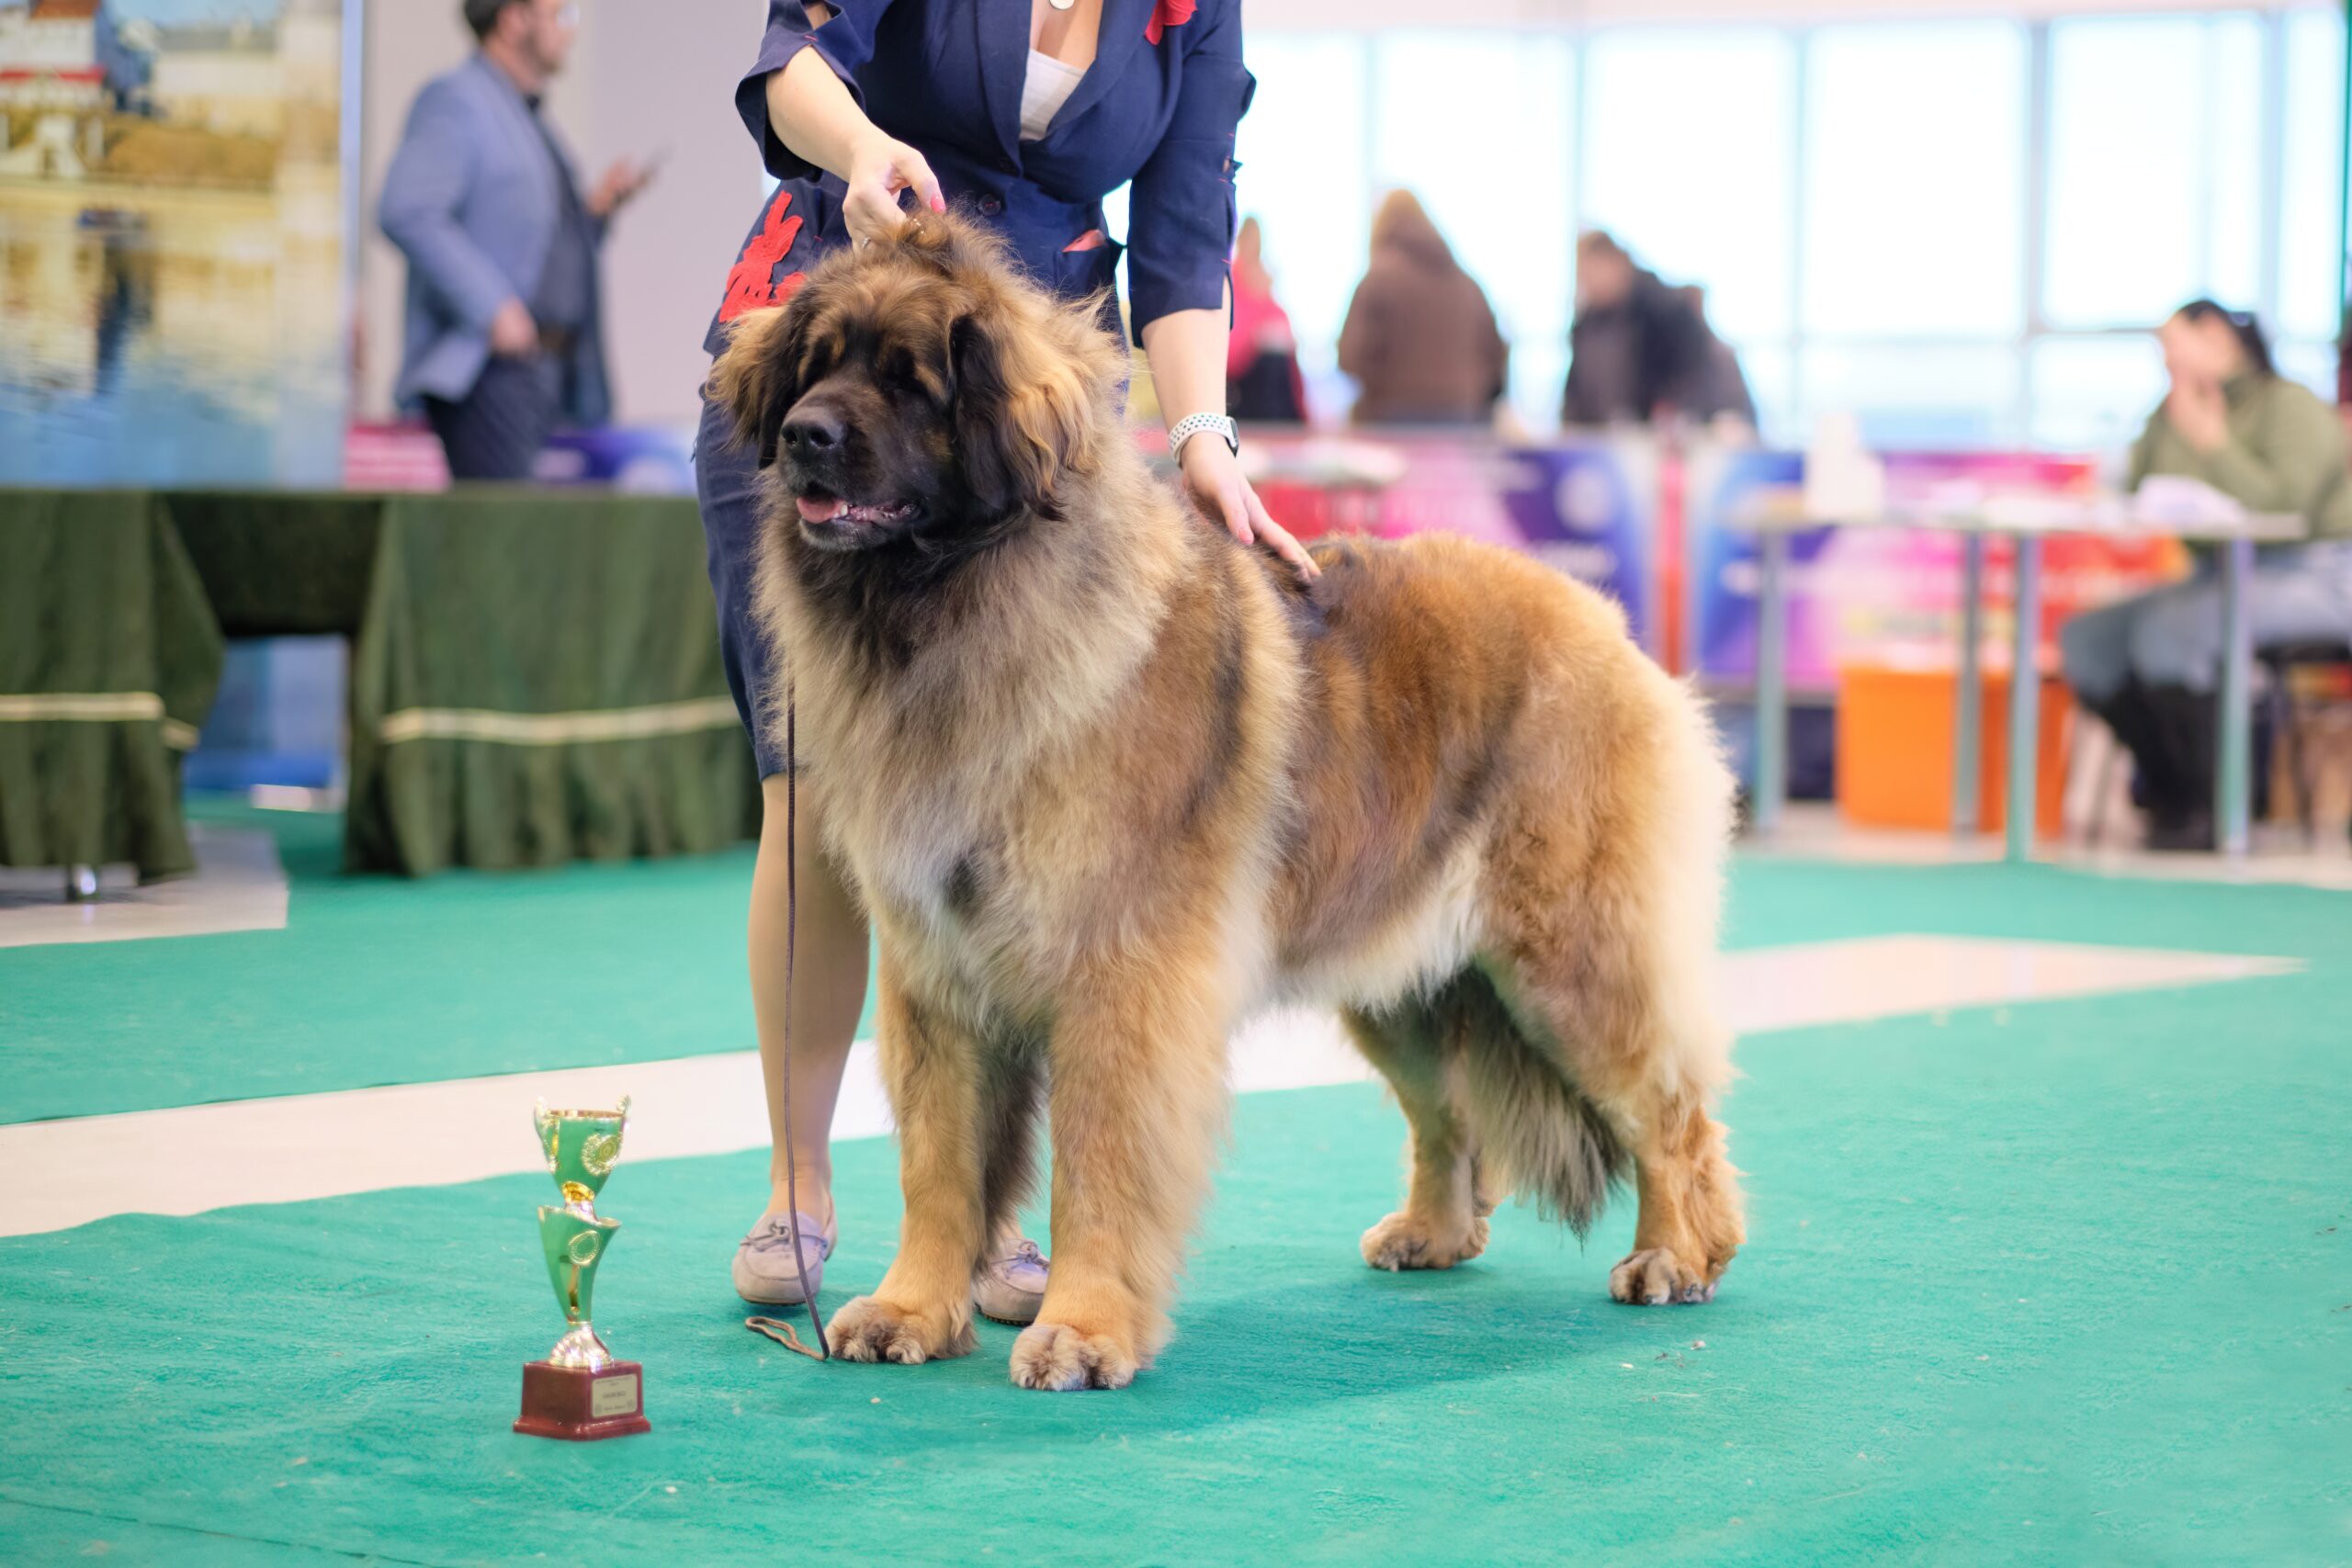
[1420, 340]
[1261, 379]
[1026, 116]
[503, 335]
[2147, 666]
[1717, 393]
[1640, 352]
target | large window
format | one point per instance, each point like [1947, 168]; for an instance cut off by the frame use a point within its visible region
[1914, 181]
[1688, 157]
[1960, 231]
[2155, 167]
[2311, 175]
[1517, 129]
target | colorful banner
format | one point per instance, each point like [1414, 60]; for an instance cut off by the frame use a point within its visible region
[172, 222]
[1589, 509]
[652, 460]
[1890, 597]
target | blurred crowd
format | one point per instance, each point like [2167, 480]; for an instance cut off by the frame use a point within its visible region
[1424, 350]
[1422, 345]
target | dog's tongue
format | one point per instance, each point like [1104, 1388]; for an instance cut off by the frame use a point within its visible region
[820, 511]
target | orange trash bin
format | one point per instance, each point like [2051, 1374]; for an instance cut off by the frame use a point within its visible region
[1896, 740]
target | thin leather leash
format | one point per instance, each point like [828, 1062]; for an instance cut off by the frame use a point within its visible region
[776, 1328]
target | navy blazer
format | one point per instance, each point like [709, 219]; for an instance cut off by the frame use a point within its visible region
[471, 200]
[1157, 108]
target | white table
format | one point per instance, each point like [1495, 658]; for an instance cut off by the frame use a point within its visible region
[2027, 524]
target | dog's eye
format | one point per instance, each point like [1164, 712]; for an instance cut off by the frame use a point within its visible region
[901, 374]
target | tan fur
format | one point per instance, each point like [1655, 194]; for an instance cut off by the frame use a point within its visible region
[1131, 783]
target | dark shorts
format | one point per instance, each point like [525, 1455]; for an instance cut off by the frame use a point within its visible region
[727, 486]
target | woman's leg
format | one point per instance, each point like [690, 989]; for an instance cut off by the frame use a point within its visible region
[2300, 596]
[829, 974]
[828, 994]
[2095, 648]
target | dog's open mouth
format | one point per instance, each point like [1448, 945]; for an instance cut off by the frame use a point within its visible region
[818, 508]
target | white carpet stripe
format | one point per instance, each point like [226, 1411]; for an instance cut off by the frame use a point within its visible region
[239, 886]
[188, 1160]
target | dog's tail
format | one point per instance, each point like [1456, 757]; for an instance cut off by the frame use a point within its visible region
[1537, 1136]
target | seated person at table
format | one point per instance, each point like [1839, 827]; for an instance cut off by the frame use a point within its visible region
[2148, 666]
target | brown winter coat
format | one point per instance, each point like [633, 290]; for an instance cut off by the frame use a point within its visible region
[1420, 340]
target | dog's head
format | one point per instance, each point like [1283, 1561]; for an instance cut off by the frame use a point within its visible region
[920, 390]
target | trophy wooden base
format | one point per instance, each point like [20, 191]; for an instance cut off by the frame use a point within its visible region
[581, 1406]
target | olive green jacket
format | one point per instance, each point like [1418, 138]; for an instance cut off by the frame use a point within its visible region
[2285, 454]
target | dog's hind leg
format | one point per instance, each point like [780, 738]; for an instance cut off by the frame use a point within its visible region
[1603, 938]
[1444, 1220]
[1617, 1042]
[939, 1091]
[1636, 1040]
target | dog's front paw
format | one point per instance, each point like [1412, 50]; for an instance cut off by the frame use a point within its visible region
[871, 1330]
[1656, 1277]
[1060, 1358]
[1405, 1240]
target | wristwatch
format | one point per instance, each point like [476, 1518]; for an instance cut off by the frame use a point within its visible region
[1193, 424]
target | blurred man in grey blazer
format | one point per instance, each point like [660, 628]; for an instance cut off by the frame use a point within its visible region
[502, 340]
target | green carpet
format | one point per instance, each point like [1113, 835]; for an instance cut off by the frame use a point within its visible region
[2066, 1283]
[2076, 1287]
[377, 980]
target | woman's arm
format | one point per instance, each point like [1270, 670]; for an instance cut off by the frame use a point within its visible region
[1181, 217]
[1187, 353]
[2288, 461]
[814, 114]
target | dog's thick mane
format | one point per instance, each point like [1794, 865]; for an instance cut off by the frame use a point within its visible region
[926, 654]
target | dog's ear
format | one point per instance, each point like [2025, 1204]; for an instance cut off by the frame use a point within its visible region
[1024, 418]
[756, 379]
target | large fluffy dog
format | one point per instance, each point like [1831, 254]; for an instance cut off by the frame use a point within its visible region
[1106, 782]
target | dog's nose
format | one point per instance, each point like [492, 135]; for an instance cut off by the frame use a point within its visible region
[811, 433]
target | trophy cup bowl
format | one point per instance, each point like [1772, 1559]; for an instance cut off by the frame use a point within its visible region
[580, 1391]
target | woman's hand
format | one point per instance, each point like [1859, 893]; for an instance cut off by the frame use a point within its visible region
[1213, 474]
[879, 168]
[2197, 411]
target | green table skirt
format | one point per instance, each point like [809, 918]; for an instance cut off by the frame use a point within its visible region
[535, 678]
[533, 683]
[109, 658]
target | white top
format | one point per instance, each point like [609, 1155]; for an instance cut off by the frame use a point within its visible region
[1044, 91]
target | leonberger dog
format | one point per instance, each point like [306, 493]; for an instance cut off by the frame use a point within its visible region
[1107, 782]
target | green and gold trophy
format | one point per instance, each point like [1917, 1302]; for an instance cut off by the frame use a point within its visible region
[579, 1392]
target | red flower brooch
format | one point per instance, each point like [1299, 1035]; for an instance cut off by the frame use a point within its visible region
[1165, 15]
